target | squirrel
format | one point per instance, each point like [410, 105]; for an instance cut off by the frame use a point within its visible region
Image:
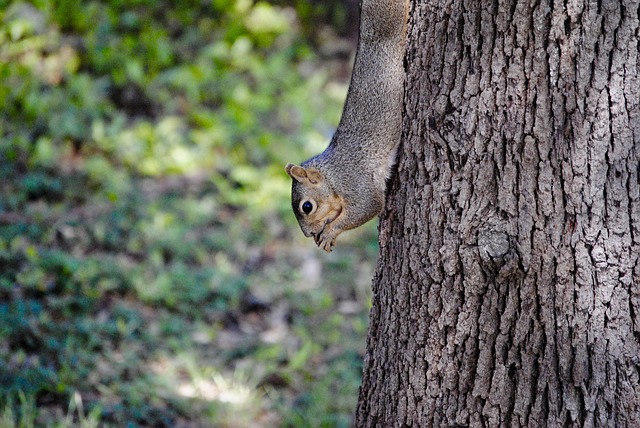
[344, 186]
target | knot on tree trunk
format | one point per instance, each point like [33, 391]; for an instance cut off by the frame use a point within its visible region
[495, 247]
[493, 244]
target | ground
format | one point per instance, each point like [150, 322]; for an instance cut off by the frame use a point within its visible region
[151, 272]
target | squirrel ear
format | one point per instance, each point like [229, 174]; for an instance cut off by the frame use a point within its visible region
[303, 175]
[296, 172]
[314, 176]
[288, 169]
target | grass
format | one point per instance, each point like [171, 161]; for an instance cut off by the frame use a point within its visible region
[157, 315]
[151, 272]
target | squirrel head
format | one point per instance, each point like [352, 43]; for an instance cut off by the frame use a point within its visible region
[315, 204]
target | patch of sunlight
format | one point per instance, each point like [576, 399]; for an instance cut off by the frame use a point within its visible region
[265, 18]
[193, 380]
[162, 148]
[217, 388]
[243, 6]
[234, 397]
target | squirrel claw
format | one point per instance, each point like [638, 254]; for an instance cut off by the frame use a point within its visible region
[325, 243]
[326, 247]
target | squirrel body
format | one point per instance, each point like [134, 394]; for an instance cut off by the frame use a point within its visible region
[344, 186]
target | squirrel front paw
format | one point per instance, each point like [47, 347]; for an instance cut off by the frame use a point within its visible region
[326, 239]
[325, 242]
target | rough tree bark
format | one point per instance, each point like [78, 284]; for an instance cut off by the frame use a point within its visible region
[508, 287]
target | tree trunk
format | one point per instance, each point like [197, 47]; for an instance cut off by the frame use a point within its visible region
[508, 287]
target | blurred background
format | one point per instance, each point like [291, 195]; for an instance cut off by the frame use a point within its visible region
[151, 270]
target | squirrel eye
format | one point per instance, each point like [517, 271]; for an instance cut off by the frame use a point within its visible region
[307, 207]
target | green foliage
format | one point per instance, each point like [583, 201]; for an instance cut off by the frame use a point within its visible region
[151, 272]
[26, 412]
